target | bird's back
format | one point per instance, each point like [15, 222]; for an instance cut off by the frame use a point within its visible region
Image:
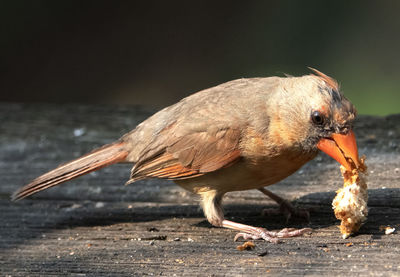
[230, 104]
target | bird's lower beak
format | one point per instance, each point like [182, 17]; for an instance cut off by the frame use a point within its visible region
[343, 148]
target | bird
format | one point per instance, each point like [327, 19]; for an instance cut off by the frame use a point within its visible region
[244, 134]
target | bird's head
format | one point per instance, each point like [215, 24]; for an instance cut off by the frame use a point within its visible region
[321, 118]
[333, 124]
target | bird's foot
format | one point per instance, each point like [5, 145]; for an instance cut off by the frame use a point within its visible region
[285, 207]
[250, 232]
[270, 236]
[289, 211]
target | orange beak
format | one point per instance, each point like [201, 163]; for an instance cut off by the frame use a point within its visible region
[342, 148]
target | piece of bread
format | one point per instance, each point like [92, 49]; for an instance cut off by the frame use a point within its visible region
[350, 203]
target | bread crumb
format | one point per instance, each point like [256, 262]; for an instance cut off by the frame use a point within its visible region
[350, 203]
[388, 229]
[248, 245]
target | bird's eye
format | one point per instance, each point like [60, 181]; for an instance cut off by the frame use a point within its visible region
[317, 118]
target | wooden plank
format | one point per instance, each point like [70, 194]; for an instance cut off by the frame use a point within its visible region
[96, 226]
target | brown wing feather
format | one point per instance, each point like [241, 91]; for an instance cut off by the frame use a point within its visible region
[190, 156]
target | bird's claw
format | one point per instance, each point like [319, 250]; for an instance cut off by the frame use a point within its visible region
[258, 233]
[270, 236]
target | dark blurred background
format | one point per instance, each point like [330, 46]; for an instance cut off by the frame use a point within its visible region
[156, 52]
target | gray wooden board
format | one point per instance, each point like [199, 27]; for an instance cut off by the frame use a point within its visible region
[96, 226]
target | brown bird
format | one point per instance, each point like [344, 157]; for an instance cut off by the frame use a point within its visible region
[240, 135]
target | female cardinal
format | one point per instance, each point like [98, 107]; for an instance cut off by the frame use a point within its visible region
[240, 135]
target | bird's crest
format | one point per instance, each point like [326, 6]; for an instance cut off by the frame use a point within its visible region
[332, 83]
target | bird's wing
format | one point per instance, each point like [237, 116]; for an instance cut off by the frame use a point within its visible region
[190, 155]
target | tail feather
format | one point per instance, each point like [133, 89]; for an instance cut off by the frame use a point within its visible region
[99, 158]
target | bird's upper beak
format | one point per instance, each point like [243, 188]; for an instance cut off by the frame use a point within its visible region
[343, 148]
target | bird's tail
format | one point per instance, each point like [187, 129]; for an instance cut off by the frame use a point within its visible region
[98, 158]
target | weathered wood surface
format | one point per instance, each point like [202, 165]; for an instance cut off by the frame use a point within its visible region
[97, 226]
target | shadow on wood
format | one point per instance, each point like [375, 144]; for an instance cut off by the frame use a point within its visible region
[96, 226]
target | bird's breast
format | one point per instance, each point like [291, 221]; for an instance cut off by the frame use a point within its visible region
[263, 162]
[248, 173]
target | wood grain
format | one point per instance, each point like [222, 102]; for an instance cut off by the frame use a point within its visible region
[97, 226]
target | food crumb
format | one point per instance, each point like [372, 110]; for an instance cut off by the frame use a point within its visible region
[248, 245]
[388, 230]
[350, 203]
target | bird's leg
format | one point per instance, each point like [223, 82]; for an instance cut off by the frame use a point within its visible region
[211, 202]
[285, 207]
